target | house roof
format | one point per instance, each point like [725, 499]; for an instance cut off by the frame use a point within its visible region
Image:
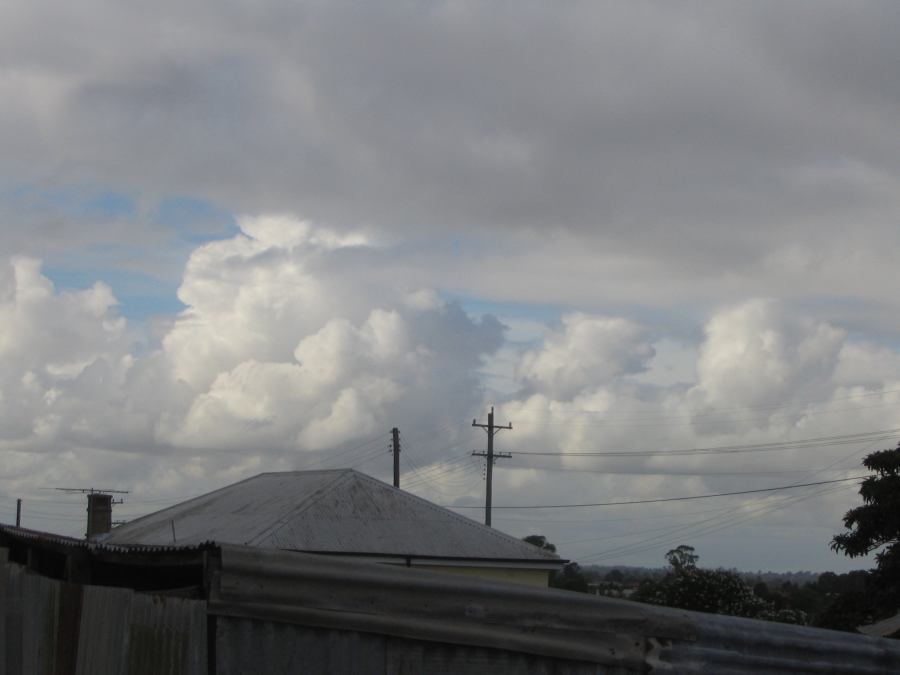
[336, 511]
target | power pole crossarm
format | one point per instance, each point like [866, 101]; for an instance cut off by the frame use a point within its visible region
[490, 458]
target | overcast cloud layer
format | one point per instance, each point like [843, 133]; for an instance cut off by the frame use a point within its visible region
[629, 226]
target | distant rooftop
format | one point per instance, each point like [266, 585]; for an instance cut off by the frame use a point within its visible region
[335, 511]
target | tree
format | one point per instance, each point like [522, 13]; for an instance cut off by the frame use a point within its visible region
[614, 576]
[570, 578]
[541, 542]
[682, 559]
[875, 527]
[703, 590]
[876, 523]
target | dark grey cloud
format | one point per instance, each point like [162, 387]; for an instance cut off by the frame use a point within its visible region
[646, 125]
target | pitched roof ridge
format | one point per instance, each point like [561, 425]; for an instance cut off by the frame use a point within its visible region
[303, 504]
[295, 471]
[502, 536]
[187, 505]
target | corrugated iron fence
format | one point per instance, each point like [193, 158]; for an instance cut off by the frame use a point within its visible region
[273, 612]
[50, 627]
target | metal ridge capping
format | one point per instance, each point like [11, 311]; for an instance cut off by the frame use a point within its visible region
[326, 592]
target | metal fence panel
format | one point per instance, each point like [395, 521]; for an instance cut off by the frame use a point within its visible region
[48, 627]
[104, 631]
[565, 628]
[167, 635]
[733, 646]
[255, 647]
[247, 647]
[30, 615]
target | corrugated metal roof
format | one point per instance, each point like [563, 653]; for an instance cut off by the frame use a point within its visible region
[98, 546]
[337, 511]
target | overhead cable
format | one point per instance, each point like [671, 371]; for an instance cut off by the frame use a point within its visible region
[668, 499]
[821, 441]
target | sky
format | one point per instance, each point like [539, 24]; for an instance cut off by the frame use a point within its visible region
[659, 238]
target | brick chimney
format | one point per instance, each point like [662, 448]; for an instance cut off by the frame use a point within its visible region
[99, 514]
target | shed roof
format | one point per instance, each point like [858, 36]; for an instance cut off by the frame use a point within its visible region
[334, 511]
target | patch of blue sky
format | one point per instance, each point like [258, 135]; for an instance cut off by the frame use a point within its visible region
[141, 296]
[195, 221]
[78, 202]
[110, 205]
[515, 310]
[679, 324]
[144, 273]
[144, 277]
[525, 321]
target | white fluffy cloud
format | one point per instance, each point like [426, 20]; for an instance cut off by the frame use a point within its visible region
[294, 343]
[54, 347]
[586, 353]
[756, 354]
[281, 351]
[764, 374]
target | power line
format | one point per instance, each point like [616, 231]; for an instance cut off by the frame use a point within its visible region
[686, 474]
[344, 451]
[822, 441]
[671, 499]
[612, 417]
[690, 530]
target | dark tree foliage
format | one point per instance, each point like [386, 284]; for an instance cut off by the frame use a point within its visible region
[541, 542]
[704, 590]
[877, 522]
[876, 525]
[847, 611]
[570, 578]
[682, 559]
[614, 576]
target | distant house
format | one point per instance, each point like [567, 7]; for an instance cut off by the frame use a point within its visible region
[345, 513]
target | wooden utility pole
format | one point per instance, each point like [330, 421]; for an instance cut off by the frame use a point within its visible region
[490, 457]
[395, 435]
[18, 513]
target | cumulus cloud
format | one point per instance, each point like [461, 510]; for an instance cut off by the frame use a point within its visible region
[53, 346]
[757, 354]
[763, 374]
[281, 357]
[277, 356]
[586, 352]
